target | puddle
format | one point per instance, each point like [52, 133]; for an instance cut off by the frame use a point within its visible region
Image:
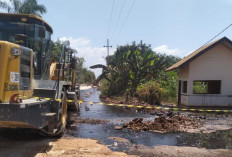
[117, 116]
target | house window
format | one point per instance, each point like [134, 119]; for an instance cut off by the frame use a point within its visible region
[207, 87]
[184, 87]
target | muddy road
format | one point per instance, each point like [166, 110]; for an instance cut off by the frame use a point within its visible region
[93, 134]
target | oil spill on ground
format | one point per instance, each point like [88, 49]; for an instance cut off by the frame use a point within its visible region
[107, 135]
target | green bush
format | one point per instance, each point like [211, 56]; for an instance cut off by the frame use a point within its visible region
[150, 92]
[104, 87]
[169, 82]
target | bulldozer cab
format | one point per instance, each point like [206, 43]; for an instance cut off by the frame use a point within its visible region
[32, 32]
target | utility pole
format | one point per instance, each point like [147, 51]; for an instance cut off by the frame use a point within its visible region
[108, 47]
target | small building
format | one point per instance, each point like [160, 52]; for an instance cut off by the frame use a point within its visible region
[205, 76]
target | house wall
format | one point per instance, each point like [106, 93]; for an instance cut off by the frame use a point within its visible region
[184, 76]
[215, 64]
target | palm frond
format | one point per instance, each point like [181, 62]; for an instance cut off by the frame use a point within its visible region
[6, 6]
[99, 66]
[29, 7]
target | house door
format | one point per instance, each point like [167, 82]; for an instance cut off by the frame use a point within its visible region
[179, 93]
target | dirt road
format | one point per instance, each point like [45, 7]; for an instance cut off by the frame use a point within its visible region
[20, 143]
[23, 142]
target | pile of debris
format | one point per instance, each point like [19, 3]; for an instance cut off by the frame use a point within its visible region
[164, 124]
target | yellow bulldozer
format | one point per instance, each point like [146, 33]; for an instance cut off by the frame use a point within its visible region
[35, 92]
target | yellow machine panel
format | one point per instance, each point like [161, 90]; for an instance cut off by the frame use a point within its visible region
[10, 71]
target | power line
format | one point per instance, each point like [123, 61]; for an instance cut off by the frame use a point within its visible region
[112, 9]
[218, 34]
[115, 13]
[120, 13]
[124, 21]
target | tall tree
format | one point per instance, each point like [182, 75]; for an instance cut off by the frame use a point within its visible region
[56, 49]
[24, 7]
[5, 6]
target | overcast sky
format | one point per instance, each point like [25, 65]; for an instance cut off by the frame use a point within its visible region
[175, 27]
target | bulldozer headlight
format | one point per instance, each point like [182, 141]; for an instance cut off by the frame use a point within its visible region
[16, 52]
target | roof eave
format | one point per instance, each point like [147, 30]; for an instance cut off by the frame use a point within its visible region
[171, 69]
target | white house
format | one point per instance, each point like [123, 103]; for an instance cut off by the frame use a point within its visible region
[205, 76]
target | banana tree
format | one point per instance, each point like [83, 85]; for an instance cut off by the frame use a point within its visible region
[140, 68]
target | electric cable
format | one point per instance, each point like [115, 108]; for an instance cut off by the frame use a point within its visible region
[119, 16]
[129, 12]
[218, 34]
[112, 9]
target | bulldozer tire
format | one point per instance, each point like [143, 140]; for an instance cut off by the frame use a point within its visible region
[62, 122]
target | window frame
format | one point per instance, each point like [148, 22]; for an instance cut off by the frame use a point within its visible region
[207, 86]
[184, 87]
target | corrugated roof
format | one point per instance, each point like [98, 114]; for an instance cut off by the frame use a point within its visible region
[197, 53]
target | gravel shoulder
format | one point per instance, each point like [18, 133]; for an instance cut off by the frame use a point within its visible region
[79, 147]
[175, 151]
[89, 147]
[26, 142]
[211, 123]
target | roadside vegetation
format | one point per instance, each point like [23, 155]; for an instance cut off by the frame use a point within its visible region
[136, 71]
[83, 76]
